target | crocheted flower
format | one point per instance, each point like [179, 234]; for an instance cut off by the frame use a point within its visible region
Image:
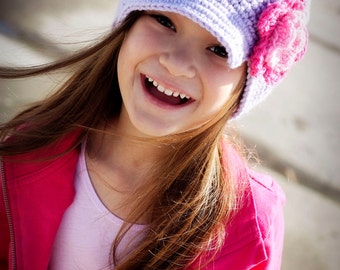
[282, 41]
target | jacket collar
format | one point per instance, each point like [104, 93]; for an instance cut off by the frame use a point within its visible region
[38, 193]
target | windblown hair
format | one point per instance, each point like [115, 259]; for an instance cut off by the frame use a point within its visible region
[193, 192]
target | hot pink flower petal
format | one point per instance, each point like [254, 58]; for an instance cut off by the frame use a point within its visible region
[282, 40]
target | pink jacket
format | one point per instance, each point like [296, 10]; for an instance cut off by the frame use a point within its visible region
[34, 195]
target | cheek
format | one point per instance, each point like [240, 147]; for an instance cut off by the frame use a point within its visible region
[141, 40]
[227, 79]
[219, 89]
[122, 69]
[220, 85]
[127, 61]
[218, 98]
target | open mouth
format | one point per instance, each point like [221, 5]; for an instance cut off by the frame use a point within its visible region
[165, 95]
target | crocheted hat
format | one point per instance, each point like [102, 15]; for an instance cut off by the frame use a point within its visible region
[270, 35]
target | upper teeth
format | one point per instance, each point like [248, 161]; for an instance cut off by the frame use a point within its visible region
[166, 91]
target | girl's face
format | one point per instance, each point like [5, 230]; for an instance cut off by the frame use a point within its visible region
[173, 76]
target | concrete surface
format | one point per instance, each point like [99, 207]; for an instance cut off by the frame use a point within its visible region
[312, 239]
[295, 131]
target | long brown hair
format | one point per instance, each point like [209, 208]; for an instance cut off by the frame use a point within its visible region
[190, 204]
[78, 103]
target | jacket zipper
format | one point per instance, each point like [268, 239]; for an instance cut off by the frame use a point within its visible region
[8, 213]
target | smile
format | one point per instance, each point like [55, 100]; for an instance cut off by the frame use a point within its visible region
[164, 94]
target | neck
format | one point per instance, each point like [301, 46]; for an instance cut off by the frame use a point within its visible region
[118, 165]
[128, 159]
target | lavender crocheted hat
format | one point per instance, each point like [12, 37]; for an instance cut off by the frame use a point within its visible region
[270, 35]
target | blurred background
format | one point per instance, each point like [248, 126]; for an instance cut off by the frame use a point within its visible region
[295, 131]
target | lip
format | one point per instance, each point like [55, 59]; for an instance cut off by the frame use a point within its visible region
[158, 102]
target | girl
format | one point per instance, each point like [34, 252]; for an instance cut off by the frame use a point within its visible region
[131, 164]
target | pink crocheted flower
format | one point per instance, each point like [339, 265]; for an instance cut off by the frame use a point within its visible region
[282, 40]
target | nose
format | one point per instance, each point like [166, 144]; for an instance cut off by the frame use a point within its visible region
[179, 61]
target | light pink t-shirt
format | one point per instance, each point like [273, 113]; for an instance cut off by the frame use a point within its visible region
[88, 230]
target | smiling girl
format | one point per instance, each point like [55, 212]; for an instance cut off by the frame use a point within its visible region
[131, 164]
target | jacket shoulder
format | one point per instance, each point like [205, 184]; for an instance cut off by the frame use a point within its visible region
[22, 165]
[255, 235]
[268, 199]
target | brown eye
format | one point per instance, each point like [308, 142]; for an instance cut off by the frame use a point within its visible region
[163, 20]
[219, 51]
